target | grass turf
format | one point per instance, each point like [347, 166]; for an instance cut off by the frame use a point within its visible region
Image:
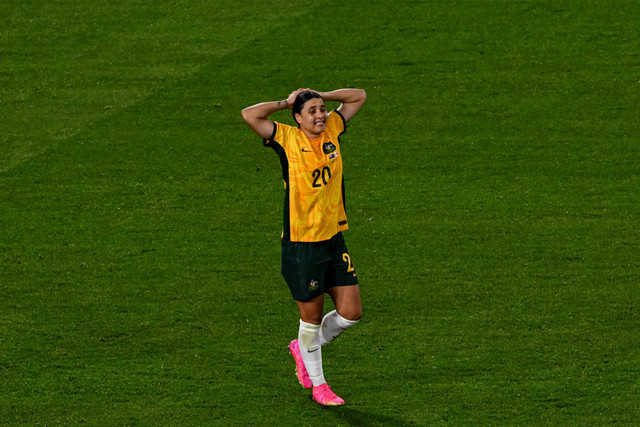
[491, 180]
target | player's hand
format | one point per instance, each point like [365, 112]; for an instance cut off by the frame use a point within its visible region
[292, 97]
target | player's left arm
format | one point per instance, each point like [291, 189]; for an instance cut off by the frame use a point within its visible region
[351, 101]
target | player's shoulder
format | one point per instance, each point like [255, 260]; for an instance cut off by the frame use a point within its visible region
[284, 128]
[283, 134]
[336, 122]
[334, 115]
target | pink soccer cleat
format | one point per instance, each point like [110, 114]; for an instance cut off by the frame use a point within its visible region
[301, 371]
[324, 396]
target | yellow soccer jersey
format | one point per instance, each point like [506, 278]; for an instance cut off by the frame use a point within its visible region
[312, 172]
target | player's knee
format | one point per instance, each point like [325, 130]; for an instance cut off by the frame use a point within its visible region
[352, 314]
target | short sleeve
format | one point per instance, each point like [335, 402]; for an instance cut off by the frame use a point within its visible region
[336, 123]
[282, 135]
[272, 138]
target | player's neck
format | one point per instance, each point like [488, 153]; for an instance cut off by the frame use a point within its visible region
[312, 136]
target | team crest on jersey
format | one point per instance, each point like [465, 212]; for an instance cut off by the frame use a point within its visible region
[313, 285]
[328, 147]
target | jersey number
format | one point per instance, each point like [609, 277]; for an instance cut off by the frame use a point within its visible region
[325, 174]
[346, 258]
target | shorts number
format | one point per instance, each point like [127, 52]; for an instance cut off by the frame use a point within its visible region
[325, 174]
[346, 258]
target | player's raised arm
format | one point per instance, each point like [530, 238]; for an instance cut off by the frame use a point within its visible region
[257, 115]
[351, 99]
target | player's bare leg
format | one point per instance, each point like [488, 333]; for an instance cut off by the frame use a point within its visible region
[311, 311]
[347, 301]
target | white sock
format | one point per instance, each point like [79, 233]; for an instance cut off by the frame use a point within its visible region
[311, 351]
[332, 326]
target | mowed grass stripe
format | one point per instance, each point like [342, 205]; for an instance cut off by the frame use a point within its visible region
[66, 66]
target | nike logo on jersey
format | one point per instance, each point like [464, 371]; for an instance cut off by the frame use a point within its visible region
[307, 151]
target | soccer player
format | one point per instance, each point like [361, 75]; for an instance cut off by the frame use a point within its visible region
[314, 257]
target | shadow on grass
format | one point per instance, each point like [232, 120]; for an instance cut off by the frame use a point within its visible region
[355, 417]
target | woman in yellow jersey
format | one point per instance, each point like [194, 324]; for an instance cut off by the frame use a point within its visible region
[315, 259]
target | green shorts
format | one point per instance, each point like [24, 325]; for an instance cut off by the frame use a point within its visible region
[311, 269]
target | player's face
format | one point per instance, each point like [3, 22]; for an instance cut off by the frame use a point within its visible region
[313, 117]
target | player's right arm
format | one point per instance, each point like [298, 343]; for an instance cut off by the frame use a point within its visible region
[257, 115]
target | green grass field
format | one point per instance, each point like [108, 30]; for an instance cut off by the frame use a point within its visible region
[492, 189]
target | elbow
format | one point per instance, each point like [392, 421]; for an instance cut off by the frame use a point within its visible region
[363, 95]
[245, 115]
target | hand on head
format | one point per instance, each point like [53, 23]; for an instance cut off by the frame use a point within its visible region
[293, 95]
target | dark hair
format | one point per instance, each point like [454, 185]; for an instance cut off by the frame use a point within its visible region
[302, 97]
